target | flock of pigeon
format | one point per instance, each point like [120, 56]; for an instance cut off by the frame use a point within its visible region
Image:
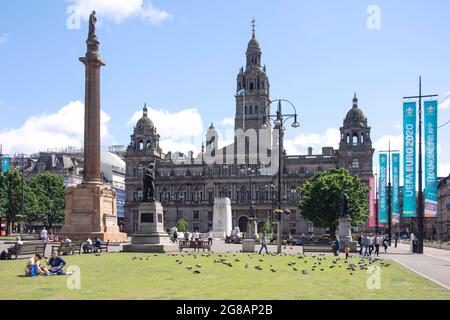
[300, 263]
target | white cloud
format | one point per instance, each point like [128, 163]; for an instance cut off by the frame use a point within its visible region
[445, 104]
[180, 131]
[118, 10]
[302, 142]
[227, 122]
[443, 169]
[3, 39]
[46, 131]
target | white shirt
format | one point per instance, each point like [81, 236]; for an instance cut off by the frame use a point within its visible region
[210, 235]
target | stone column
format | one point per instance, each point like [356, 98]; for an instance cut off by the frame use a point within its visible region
[92, 147]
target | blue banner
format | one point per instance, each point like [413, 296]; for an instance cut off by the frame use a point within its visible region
[5, 164]
[396, 188]
[431, 182]
[409, 159]
[383, 212]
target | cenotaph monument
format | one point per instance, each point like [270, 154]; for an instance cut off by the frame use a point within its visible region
[91, 206]
[222, 222]
[151, 236]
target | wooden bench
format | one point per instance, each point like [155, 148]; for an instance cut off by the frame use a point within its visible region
[66, 248]
[103, 246]
[316, 247]
[29, 237]
[27, 248]
[196, 245]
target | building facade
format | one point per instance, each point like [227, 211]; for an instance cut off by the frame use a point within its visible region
[443, 216]
[187, 186]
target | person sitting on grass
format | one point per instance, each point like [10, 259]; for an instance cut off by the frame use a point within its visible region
[33, 268]
[56, 264]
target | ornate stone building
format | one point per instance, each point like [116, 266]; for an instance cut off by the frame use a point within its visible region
[187, 187]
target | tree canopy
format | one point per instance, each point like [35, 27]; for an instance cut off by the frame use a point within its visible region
[322, 198]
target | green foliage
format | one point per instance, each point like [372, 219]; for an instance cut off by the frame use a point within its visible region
[182, 225]
[12, 190]
[322, 198]
[31, 206]
[3, 197]
[268, 226]
[50, 192]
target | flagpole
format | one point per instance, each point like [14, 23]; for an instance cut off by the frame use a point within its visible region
[243, 110]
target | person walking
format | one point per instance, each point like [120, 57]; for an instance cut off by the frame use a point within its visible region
[385, 243]
[366, 245]
[337, 246]
[263, 242]
[377, 241]
[360, 244]
[347, 251]
[371, 244]
[210, 238]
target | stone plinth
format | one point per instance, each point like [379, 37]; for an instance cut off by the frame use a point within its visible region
[345, 234]
[222, 222]
[249, 245]
[252, 229]
[151, 236]
[91, 213]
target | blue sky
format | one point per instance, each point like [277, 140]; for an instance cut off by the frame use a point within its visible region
[182, 58]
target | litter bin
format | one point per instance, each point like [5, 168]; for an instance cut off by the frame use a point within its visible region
[414, 246]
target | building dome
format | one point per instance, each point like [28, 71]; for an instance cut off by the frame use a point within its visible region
[253, 47]
[144, 122]
[356, 116]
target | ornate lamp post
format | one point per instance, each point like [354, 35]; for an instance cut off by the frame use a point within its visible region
[279, 119]
[179, 199]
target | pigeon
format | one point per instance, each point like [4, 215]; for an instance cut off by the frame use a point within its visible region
[196, 272]
[198, 266]
[273, 270]
[246, 266]
[189, 268]
[258, 268]
[237, 260]
[180, 262]
[295, 269]
[97, 254]
[134, 258]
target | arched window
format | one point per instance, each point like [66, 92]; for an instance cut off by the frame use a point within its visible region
[355, 139]
[140, 194]
[149, 144]
[243, 222]
[197, 195]
[141, 145]
[252, 86]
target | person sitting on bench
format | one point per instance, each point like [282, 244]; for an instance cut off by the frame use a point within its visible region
[33, 268]
[56, 264]
[97, 245]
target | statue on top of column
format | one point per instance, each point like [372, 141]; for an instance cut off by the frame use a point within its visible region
[92, 23]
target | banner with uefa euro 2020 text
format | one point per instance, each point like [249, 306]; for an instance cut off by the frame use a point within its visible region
[409, 159]
[396, 188]
[383, 214]
[431, 183]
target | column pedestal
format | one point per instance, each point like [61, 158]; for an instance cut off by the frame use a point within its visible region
[91, 213]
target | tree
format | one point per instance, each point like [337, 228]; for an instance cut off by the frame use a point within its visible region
[50, 191]
[322, 199]
[182, 225]
[31, 206]
[12, 190]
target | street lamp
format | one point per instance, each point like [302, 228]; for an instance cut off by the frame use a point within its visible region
[178, 200]
[279, 119]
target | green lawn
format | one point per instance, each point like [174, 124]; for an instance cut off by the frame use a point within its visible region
[148, 276]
